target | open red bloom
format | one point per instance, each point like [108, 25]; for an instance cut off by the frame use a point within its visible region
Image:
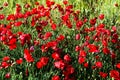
[101, 16]
[86, 65]
[92, 21]
[98, 64]
[42, 62]
[2, 16]
[79, 24]
[12, 43]
[4, 64]
[60, 37]
[49, 3]
[65, 18]
[55, 77]
[47, 35]
[55, 56]
[53, 26]
[28, 56]
[7, 76]
[77, 36]
[65, 2]
[6, 58]
[39, 65]
[67, 58]
[82, 53]
[81, 60]
[19, 61]
[69, 70]
[37, 3]
[118, 65]
[13, 46]
[25, 38]
[17, 24]
[59, 64]
[115, 74]
[103, 75]
[77, 48]
[106, 50]
[93, 48]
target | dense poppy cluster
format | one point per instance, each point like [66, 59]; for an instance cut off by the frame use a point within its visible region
[91, 49]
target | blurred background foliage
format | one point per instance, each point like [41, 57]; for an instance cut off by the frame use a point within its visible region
[88, 8]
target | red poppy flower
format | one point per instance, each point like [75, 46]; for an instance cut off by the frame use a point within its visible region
[77, 36]
[67, 58]
[92, 21]
[69, 24]
[27, 5]
[98, 64]
[118, 65]
[115, 74]
[81, 60]
[44, 48]
[114, 29]
[3, 38]
[65, 18]
[49, 3]
[37, 3]
[97, 57]
[55, 77]
[104, 42]
[36, 42]
[5, 4]
[25, 38]
[93, 48]
[59, 64]
[28, 56]
[12, 41]
[17, 24]
[65, 2]
[19, 61]
[11, 17]
[106, 50]
[44, 60]
[113, 55]
[32, 49]
[55, 56]
[101, 16]
[103, 75]
[82, 53]
[60, 37]
[86, 65]
[4, 64]
[2, 16]
[53, 26]
[85, 20]
[6, 58]
[69, 69]
[47, 35]
[13, 46]
[77, 48]
[7, 76]
[79, 24]
[39, 65]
